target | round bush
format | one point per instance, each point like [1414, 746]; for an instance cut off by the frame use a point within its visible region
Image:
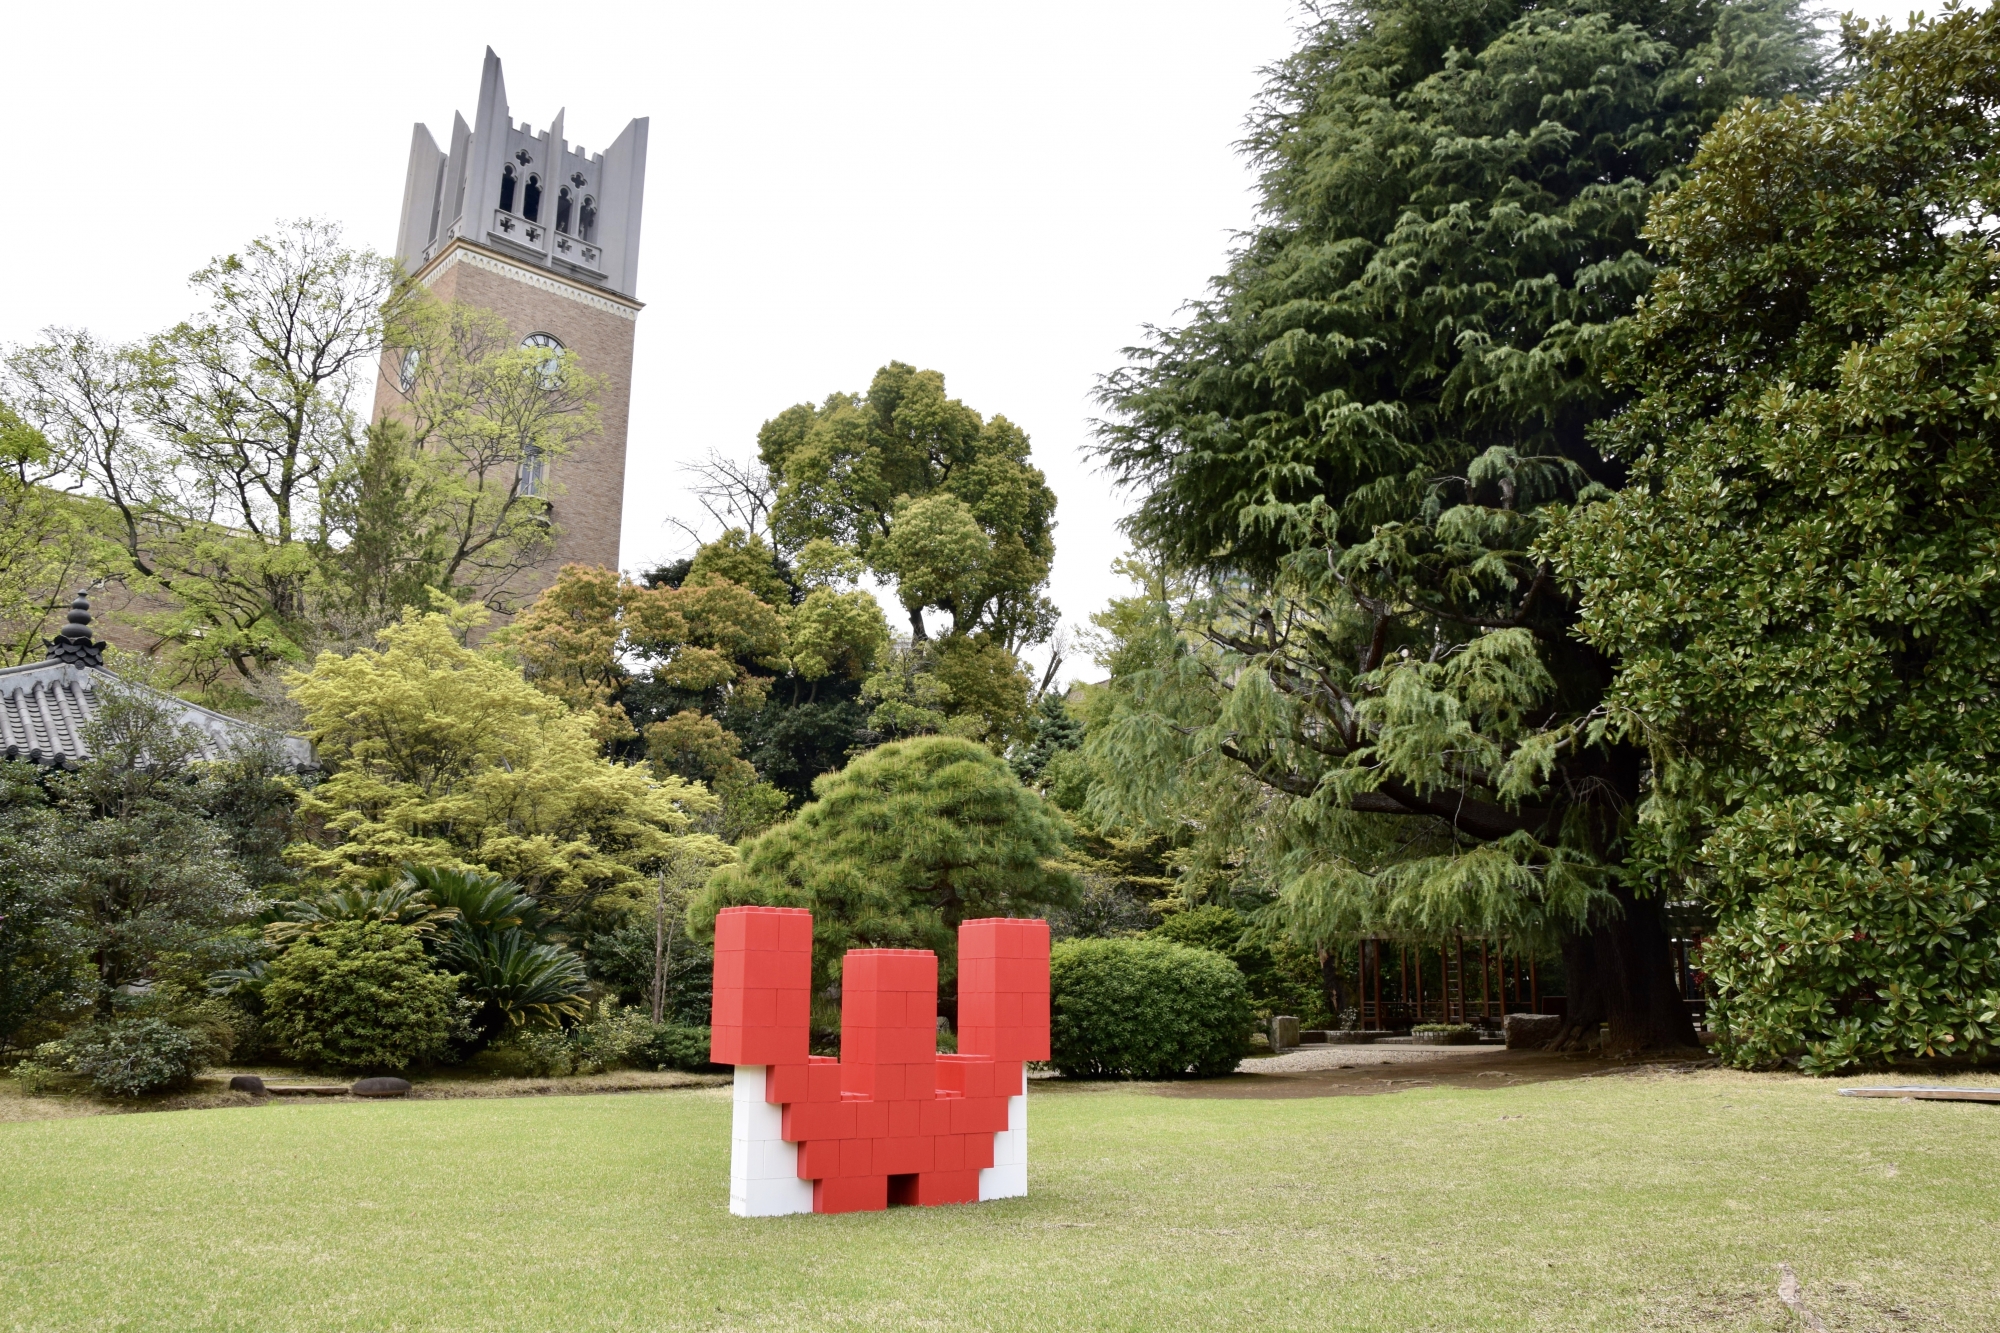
[1145, 1009]
[134, 1055]
[358, 995]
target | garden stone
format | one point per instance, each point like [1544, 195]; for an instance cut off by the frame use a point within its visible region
[1526, 1030]
[381, 1087]
[1284, 1032]
[249, 1083]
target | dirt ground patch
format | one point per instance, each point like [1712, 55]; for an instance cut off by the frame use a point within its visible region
[1370, 1073]
[211, 1091]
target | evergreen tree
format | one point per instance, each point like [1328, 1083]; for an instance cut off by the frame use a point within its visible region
[1802, 583]
[901, 846]
[1354, 670]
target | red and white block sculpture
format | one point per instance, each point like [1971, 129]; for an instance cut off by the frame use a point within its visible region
[891, 1120]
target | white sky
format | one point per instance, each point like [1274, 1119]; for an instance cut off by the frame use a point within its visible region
[1007, 193]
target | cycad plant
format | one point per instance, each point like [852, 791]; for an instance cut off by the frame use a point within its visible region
[493, 939]
[519, 980]
[399, 901]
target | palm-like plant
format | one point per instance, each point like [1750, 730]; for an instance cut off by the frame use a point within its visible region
[383, 898]
[482, 901]
[493, 939]
[522, 979]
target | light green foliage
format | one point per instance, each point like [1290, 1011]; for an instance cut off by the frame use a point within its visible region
[1803, 579]
[230, 472]
[443, 755]
[1145, 1009]
[360, 995]
[908, 697]
[50, 542]
[907, 841]
[743, 559]
[1350, 669]
[928, 493]
[837, 633]
[211, 442]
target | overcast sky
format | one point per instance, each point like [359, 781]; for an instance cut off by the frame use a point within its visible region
[1007, 193]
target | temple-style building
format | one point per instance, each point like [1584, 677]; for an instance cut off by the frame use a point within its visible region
[46, 707]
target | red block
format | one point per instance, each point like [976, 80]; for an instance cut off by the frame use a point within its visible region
[785, 1083]
[761, 953]
[891, 1120]
[936, 1187]
[853, 1194]
[819, 1159]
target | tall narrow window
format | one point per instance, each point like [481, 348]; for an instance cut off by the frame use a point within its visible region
[586, 219]
[534, 475]
[531, 200]
[507, 188]
[562, 209]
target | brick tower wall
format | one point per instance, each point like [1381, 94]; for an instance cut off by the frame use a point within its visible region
[598, 328]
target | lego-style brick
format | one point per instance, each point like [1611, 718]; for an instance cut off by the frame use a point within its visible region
[851, 1194]
[931, 1188]
[890, 1120]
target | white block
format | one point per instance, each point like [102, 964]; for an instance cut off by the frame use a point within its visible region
[763, 1168]
[1007, 1178]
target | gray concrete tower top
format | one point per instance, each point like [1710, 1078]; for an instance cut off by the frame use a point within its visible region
[527, 195]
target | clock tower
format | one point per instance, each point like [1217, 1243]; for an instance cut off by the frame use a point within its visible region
[546, 236]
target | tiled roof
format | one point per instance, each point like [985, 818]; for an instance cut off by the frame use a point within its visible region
[44, 707]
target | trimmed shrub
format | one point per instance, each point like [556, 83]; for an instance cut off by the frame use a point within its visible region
[612, 1039]
[131, 1056]
[359, 995]
[674, 1047]
[1145, 1009]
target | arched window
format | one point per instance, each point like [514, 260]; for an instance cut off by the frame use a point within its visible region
[531, 200]
[507, 188]
[586, 219]
[562, 209]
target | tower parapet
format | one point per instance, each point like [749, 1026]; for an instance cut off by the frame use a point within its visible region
[533, 197]
[545, 236]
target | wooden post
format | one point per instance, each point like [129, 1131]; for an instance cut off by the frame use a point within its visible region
[1485, 995]
[1378, 984]
[1534, 988]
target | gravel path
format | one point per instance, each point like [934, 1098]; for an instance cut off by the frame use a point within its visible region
[1308, 1058]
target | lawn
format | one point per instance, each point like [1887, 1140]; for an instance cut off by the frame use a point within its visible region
[1621, 1202]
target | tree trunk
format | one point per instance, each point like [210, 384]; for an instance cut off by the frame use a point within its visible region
[1621, 975]
[660, 952]
[917, 634]
[1330, 982]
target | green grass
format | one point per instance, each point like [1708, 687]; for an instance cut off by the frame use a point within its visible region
[1609, 1203]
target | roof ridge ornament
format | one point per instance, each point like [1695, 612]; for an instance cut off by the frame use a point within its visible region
[74, 644]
